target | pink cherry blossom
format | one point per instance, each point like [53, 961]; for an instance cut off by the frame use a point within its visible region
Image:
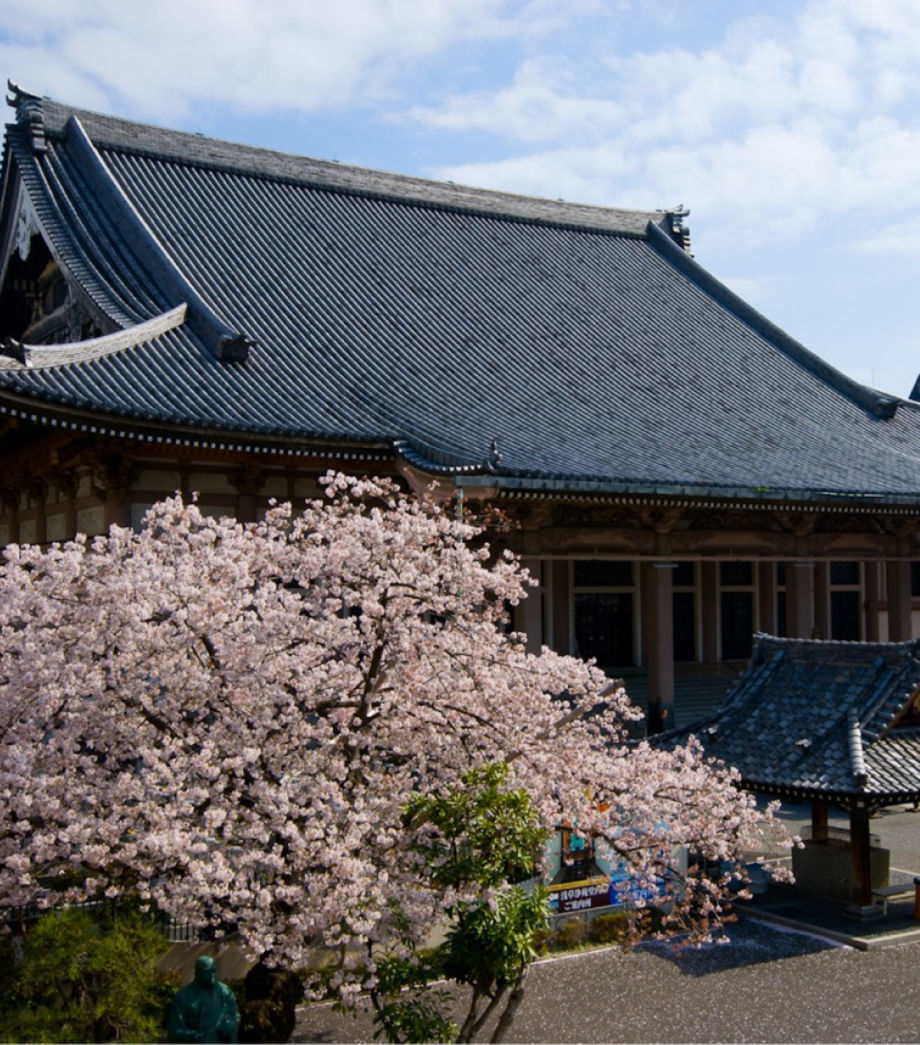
[228, 720]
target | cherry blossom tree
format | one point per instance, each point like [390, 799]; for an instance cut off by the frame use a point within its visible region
[229, 720]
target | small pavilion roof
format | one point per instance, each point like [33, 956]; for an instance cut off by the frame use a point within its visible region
[811, 719]
[530, 344]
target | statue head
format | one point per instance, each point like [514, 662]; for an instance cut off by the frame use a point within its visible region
[205, 971]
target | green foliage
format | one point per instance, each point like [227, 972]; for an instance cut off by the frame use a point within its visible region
[268, 1000]
[490, 945]
[82, 976]
[421, 1015]
[481, 832]
[572, 933]
[406, 1007]
[484, 834]
[542, 940]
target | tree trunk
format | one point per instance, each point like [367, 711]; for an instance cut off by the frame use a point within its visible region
[473, 1022]
[507, 1017]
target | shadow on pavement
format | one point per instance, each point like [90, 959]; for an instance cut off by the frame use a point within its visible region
[745, 943]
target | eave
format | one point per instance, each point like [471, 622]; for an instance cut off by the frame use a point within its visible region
[688, 495]
[66, 418]
[846, 799]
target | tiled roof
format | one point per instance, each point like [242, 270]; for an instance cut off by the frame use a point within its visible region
[814, 717]
[472, 331]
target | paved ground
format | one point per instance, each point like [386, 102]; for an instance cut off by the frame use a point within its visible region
[767, 984]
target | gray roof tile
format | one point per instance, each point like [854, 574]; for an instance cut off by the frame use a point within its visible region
[388, 310]
[815, 717]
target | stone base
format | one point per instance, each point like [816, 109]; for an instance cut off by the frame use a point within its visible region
[863, 912]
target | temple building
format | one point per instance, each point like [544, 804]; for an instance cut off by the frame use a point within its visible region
[179, 313]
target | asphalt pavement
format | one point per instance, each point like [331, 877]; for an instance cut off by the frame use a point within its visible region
[767, 984]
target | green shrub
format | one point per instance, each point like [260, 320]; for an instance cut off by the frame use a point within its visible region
[608, 928]
[542, 940]
[572, 933]
[84, 976]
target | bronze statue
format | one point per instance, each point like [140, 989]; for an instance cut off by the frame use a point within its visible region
[205, 1009]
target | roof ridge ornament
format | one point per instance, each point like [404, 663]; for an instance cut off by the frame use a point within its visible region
[494, 461]
[679, 230]
[13, 349]
[29, 114]
[857, 759]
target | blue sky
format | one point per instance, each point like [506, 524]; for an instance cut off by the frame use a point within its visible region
[790, 129]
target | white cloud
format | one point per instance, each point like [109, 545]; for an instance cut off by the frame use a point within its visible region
[531, 108]
[768, 129]
[763, 129]
[899, 239]
[166, 56]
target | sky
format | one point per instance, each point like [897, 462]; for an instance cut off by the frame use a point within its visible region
[791, 130]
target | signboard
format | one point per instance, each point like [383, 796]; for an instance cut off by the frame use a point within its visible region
[567, 897]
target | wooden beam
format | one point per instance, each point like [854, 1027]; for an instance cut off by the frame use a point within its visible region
[897, 574]
[819, 817]
[860, 866]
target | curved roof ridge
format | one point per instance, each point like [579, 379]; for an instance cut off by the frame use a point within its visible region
[878, 403]
[38, 357]
[109, 132]
[893, 646]
[857, 756]
[225, 343]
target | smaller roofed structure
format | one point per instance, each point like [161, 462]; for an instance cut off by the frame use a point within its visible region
[811, 718]
[833, 723]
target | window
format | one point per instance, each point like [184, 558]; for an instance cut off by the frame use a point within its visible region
[604, 601]
[846, 601]
[736, 609]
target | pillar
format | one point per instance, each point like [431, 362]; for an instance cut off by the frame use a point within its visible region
[871, 607]
[658, 631]
[112, 485]
[67, 485]
[766, 597]
[38, 494]
[819, 817]
[897, 576]
[800, 605]
[860, 867]
[11, 505]
[248, 481]
[528, 616]
[117, 508]
[561, 601]
[822, 587]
